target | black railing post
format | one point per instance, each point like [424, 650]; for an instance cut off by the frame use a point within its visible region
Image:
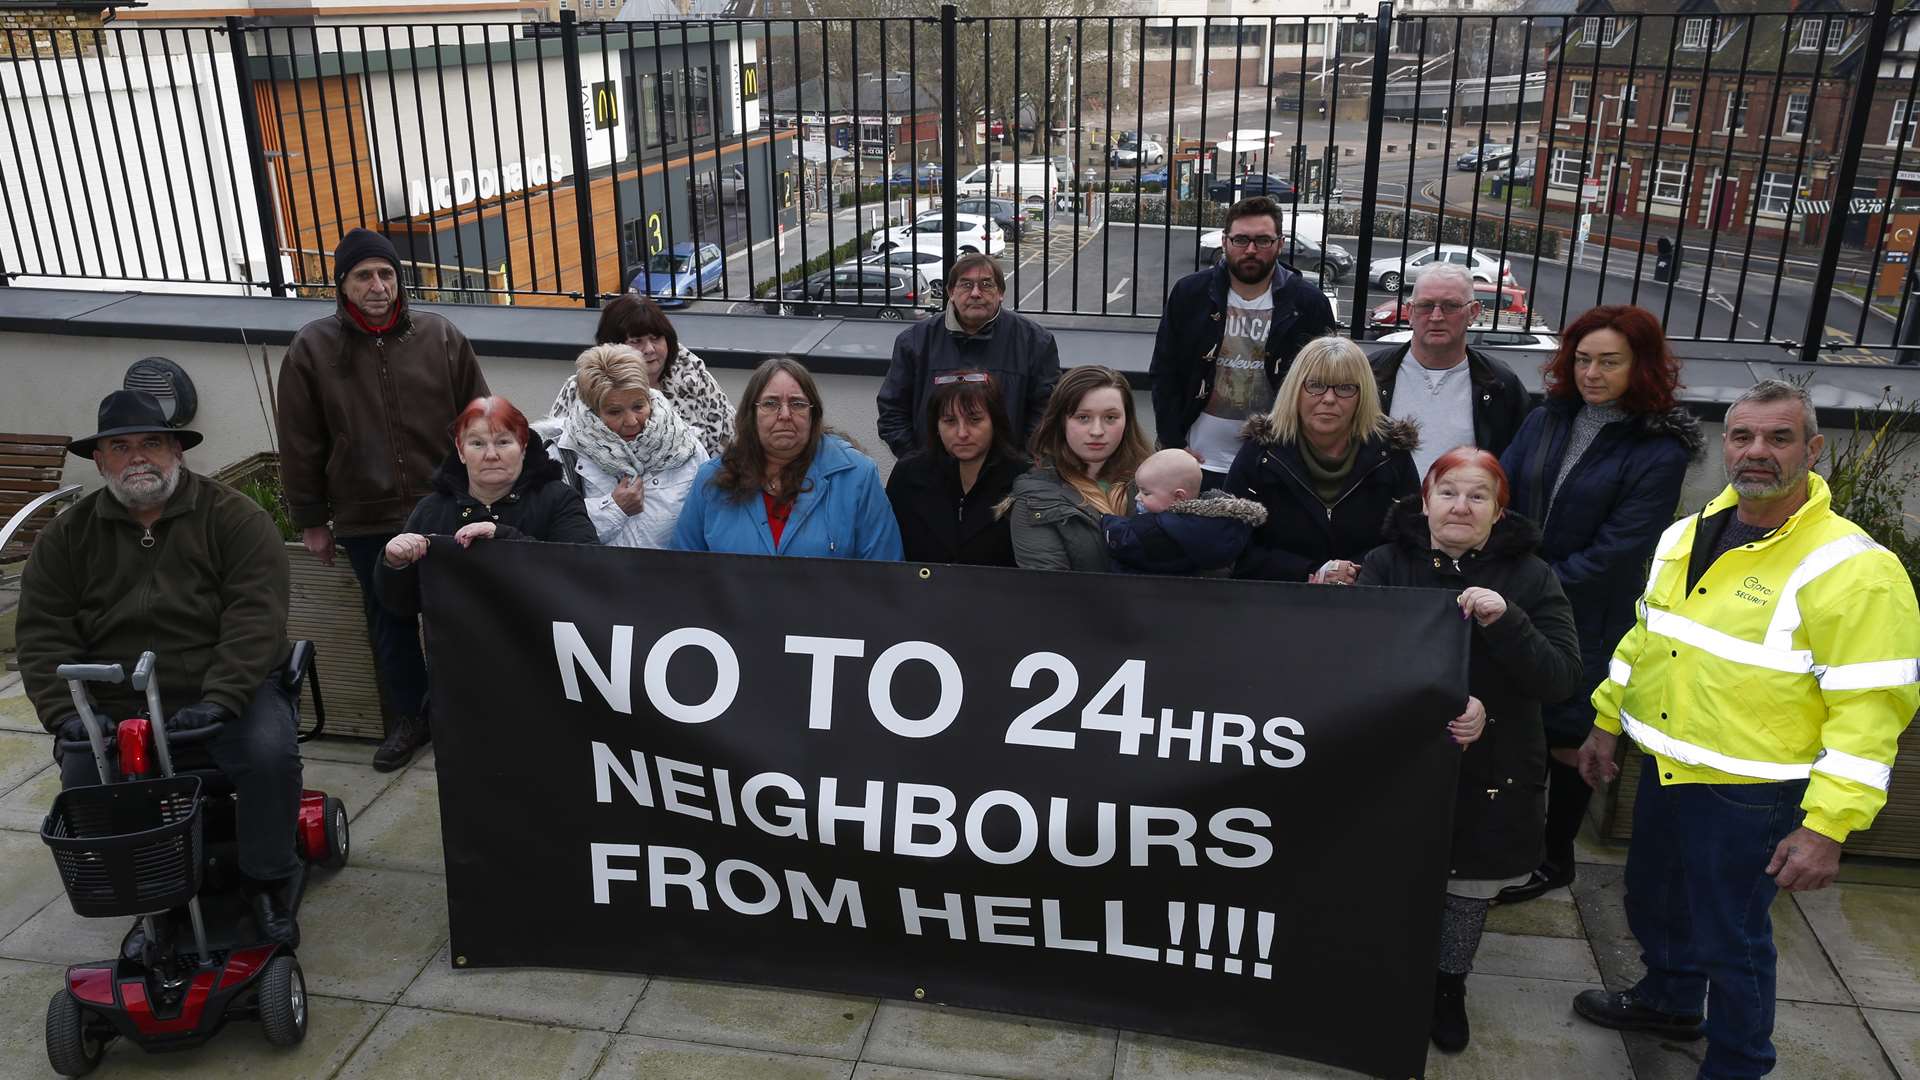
[1370, 182]
[582, 182]
[1841, 193]
[950, 130]
[256, 153]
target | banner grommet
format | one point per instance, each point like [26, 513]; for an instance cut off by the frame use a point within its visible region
[926, 573]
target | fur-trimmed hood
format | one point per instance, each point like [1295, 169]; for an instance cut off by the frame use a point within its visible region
[1219, 504]
[1395, 434]
[1677, 423]
[1513, 536]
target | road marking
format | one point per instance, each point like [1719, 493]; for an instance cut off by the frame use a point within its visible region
[1119, 291]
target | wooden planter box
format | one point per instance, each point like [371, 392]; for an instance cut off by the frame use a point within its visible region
[1895, 832]
[325, 608]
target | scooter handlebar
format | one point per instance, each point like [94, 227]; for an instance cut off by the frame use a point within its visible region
[106, 673]
[143, 671]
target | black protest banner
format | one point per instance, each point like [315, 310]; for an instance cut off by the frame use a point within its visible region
[1210, 809]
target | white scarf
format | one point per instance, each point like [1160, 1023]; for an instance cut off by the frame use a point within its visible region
[666, 443]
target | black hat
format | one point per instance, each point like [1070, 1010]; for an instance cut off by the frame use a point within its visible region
[131, 412]
[357, 247]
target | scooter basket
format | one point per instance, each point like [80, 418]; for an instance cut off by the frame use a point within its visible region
[127, 849]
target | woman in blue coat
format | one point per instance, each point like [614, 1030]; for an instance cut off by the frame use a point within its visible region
[787, 486]
[1600, 466]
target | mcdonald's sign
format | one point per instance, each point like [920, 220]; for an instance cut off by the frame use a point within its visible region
[606, 106]
[749, 82]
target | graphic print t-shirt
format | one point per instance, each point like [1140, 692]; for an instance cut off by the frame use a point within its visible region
[1240, 386]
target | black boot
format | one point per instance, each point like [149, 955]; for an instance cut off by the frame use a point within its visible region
[409, 734]
[1450, 1012]
[1624, 1011]
[272, 905]
[1548, 877]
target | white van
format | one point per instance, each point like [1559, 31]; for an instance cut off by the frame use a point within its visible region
[1037, 181]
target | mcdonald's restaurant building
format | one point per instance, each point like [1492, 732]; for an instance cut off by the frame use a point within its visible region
[462, 152]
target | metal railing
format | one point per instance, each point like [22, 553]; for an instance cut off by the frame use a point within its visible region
[837, 164]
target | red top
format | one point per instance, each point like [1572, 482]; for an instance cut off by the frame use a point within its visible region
[777, 514]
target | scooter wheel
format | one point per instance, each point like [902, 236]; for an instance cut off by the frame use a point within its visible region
[70, 1050]
[337, 840]
[283, 1001]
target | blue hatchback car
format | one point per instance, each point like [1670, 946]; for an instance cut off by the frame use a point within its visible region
[685, 273]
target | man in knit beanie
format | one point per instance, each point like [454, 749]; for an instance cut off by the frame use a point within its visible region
[366, 397]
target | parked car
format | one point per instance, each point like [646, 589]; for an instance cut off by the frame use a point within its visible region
[1005, 214]
[925, 172]
[1302, 252]
[1279, 189]
[1501, 310]
[1522, 171]
[1154, 176]
[1486, 155]
[1387, 273]
[1146, 153]
[733, 184]
[928, 259]
[971, 233]
[1541, 340]
[887, 292]
[673, 277]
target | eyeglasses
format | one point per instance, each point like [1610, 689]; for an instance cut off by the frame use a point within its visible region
[1257, 243]
[962, 377]
[1445, 307]
[1315, 388]
[976, 285]
[772, 406]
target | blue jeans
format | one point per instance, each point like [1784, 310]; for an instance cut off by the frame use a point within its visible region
[1697, 900]
[395, 638]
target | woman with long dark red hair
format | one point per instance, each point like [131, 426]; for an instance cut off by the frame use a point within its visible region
[1599, 465]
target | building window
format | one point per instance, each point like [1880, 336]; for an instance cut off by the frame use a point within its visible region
[1230, 33]
[1567, 169]
[1630, 105]
[1669, 181]
[1579, 99]
[1810, 31]
[1694, 34]
[1902, 130]
[1795, 122]
[1735, 118]
[1590, 34]
[1836, 33]
[1776, 193]
[1680, 107]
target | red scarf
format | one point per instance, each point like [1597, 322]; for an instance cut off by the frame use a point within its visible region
[372, 329]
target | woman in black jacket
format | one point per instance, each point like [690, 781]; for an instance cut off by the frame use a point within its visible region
[499, 482]
[944, 494]
[1459, 537]
[1599, 465]
[1327, 464]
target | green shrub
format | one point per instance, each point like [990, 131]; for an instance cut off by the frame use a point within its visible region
[265, 490]
[847, 250]
[1871, 470]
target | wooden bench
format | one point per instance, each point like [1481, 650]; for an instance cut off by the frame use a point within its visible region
[30, 494]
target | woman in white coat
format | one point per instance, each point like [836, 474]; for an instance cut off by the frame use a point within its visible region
[623, 446]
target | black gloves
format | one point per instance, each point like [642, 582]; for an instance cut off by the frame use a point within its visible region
[69, 728]
[198, 715]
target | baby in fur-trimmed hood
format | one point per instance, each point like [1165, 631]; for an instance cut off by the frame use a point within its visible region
[1176, 529]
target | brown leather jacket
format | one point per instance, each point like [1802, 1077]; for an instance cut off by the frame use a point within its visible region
[363, 420]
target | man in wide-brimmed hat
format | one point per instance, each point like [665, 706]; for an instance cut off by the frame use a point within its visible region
[166, 560]
[366, 398]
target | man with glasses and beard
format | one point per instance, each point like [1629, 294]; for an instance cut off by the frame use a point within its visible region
[1458, 396]
[167, 560]
[1227, 338]
[1768, 678]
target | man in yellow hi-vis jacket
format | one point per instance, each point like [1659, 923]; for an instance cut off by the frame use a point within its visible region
[1770, 673]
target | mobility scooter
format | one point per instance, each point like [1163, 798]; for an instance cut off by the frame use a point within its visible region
[157, 841]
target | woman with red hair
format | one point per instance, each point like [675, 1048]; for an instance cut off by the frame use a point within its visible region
[1599, 466]
[1459, 536]
[499, 483]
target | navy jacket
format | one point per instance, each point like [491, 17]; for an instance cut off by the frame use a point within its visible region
[1603, 526]
[1190, 332]
[1019, 353]
[1193, 536]
[1301, 532]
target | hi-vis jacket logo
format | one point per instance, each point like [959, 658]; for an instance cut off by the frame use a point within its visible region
[1753, 592]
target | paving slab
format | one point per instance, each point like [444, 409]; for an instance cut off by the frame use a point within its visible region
[356, 785]
[347, 751]
[17, 715]
[1899, 1036]
[871, 1071]
[754, 1017]
[1902, 873]
[991, 1044]
[22, 755]
[1554, 914]
[401, 829]
[1869, 932]
[57, 936]
[424, 760]
[587, 1000]
[1529, 957]
[366, 933]
[24, 992]
[1157, 1057]
[28, 879]
[26, 806]
[1813, 1042]
[335, 1027]
[1526, 1028]
[638, 1057]
[417, 1044]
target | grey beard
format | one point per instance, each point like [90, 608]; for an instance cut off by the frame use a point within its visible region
[145, 498]
[1788, 481]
